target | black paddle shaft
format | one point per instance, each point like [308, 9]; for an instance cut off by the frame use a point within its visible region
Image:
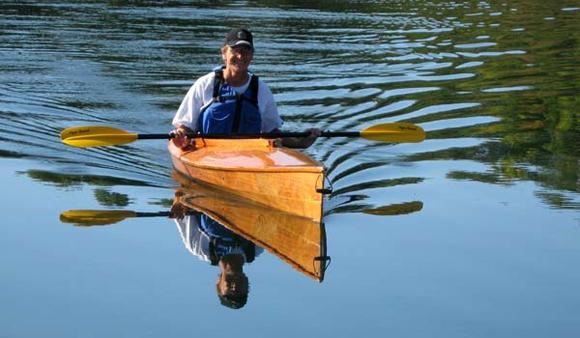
[244, 136]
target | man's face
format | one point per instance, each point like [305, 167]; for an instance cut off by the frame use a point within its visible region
[233, 284]
[238, 58]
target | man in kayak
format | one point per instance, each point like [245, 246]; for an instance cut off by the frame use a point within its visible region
[232, 100]
[212, 242]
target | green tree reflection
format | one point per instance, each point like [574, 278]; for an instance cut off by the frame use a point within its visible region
[111, 199]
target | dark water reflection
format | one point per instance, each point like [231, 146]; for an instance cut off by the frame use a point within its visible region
[495, 85]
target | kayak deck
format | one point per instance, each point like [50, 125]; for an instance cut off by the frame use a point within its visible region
[256, 155]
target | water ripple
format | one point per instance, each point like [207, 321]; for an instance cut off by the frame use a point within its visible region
[448, 66]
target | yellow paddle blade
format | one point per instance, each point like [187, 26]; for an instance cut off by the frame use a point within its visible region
[99, 140]
[96, 136]
[394, 132]
[95, 217]
[89, 130]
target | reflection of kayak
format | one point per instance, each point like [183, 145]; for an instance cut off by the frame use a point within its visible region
[297, 240]
[256, 169]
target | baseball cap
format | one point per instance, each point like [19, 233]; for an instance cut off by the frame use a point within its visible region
[239, 36]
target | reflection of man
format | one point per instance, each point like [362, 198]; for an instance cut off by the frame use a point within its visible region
[214, 243]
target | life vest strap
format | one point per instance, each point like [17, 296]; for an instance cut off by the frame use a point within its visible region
[217, 84]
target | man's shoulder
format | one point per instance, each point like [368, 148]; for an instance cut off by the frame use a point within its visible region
[203, 85]
[263, 88]
[205, 79]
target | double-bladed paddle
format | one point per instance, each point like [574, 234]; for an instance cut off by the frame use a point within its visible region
[96, 136]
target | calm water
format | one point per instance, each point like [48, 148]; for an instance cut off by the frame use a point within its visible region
[474, 232]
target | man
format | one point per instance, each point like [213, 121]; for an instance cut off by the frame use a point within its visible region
[231, 99]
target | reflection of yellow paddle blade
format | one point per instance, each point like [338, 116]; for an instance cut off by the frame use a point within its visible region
[396, 209]
[394, 132]
[96, 136]
[95, 217]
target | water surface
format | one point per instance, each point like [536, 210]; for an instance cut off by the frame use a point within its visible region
[473, 232]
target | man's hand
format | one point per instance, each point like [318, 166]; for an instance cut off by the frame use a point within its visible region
[302, 142]
[178, 210]
[183, 137]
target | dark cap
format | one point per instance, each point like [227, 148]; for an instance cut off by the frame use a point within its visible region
[239, 36]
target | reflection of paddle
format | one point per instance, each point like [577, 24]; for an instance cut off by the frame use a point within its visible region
[95, 136]
[387, 210]
[396, 209]
[104, 217]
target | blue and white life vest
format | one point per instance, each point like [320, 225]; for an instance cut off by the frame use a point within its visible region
[224, 241]
[230, 112]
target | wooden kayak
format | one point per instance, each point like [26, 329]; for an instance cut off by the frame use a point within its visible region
[257, 170]
[298, 241]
